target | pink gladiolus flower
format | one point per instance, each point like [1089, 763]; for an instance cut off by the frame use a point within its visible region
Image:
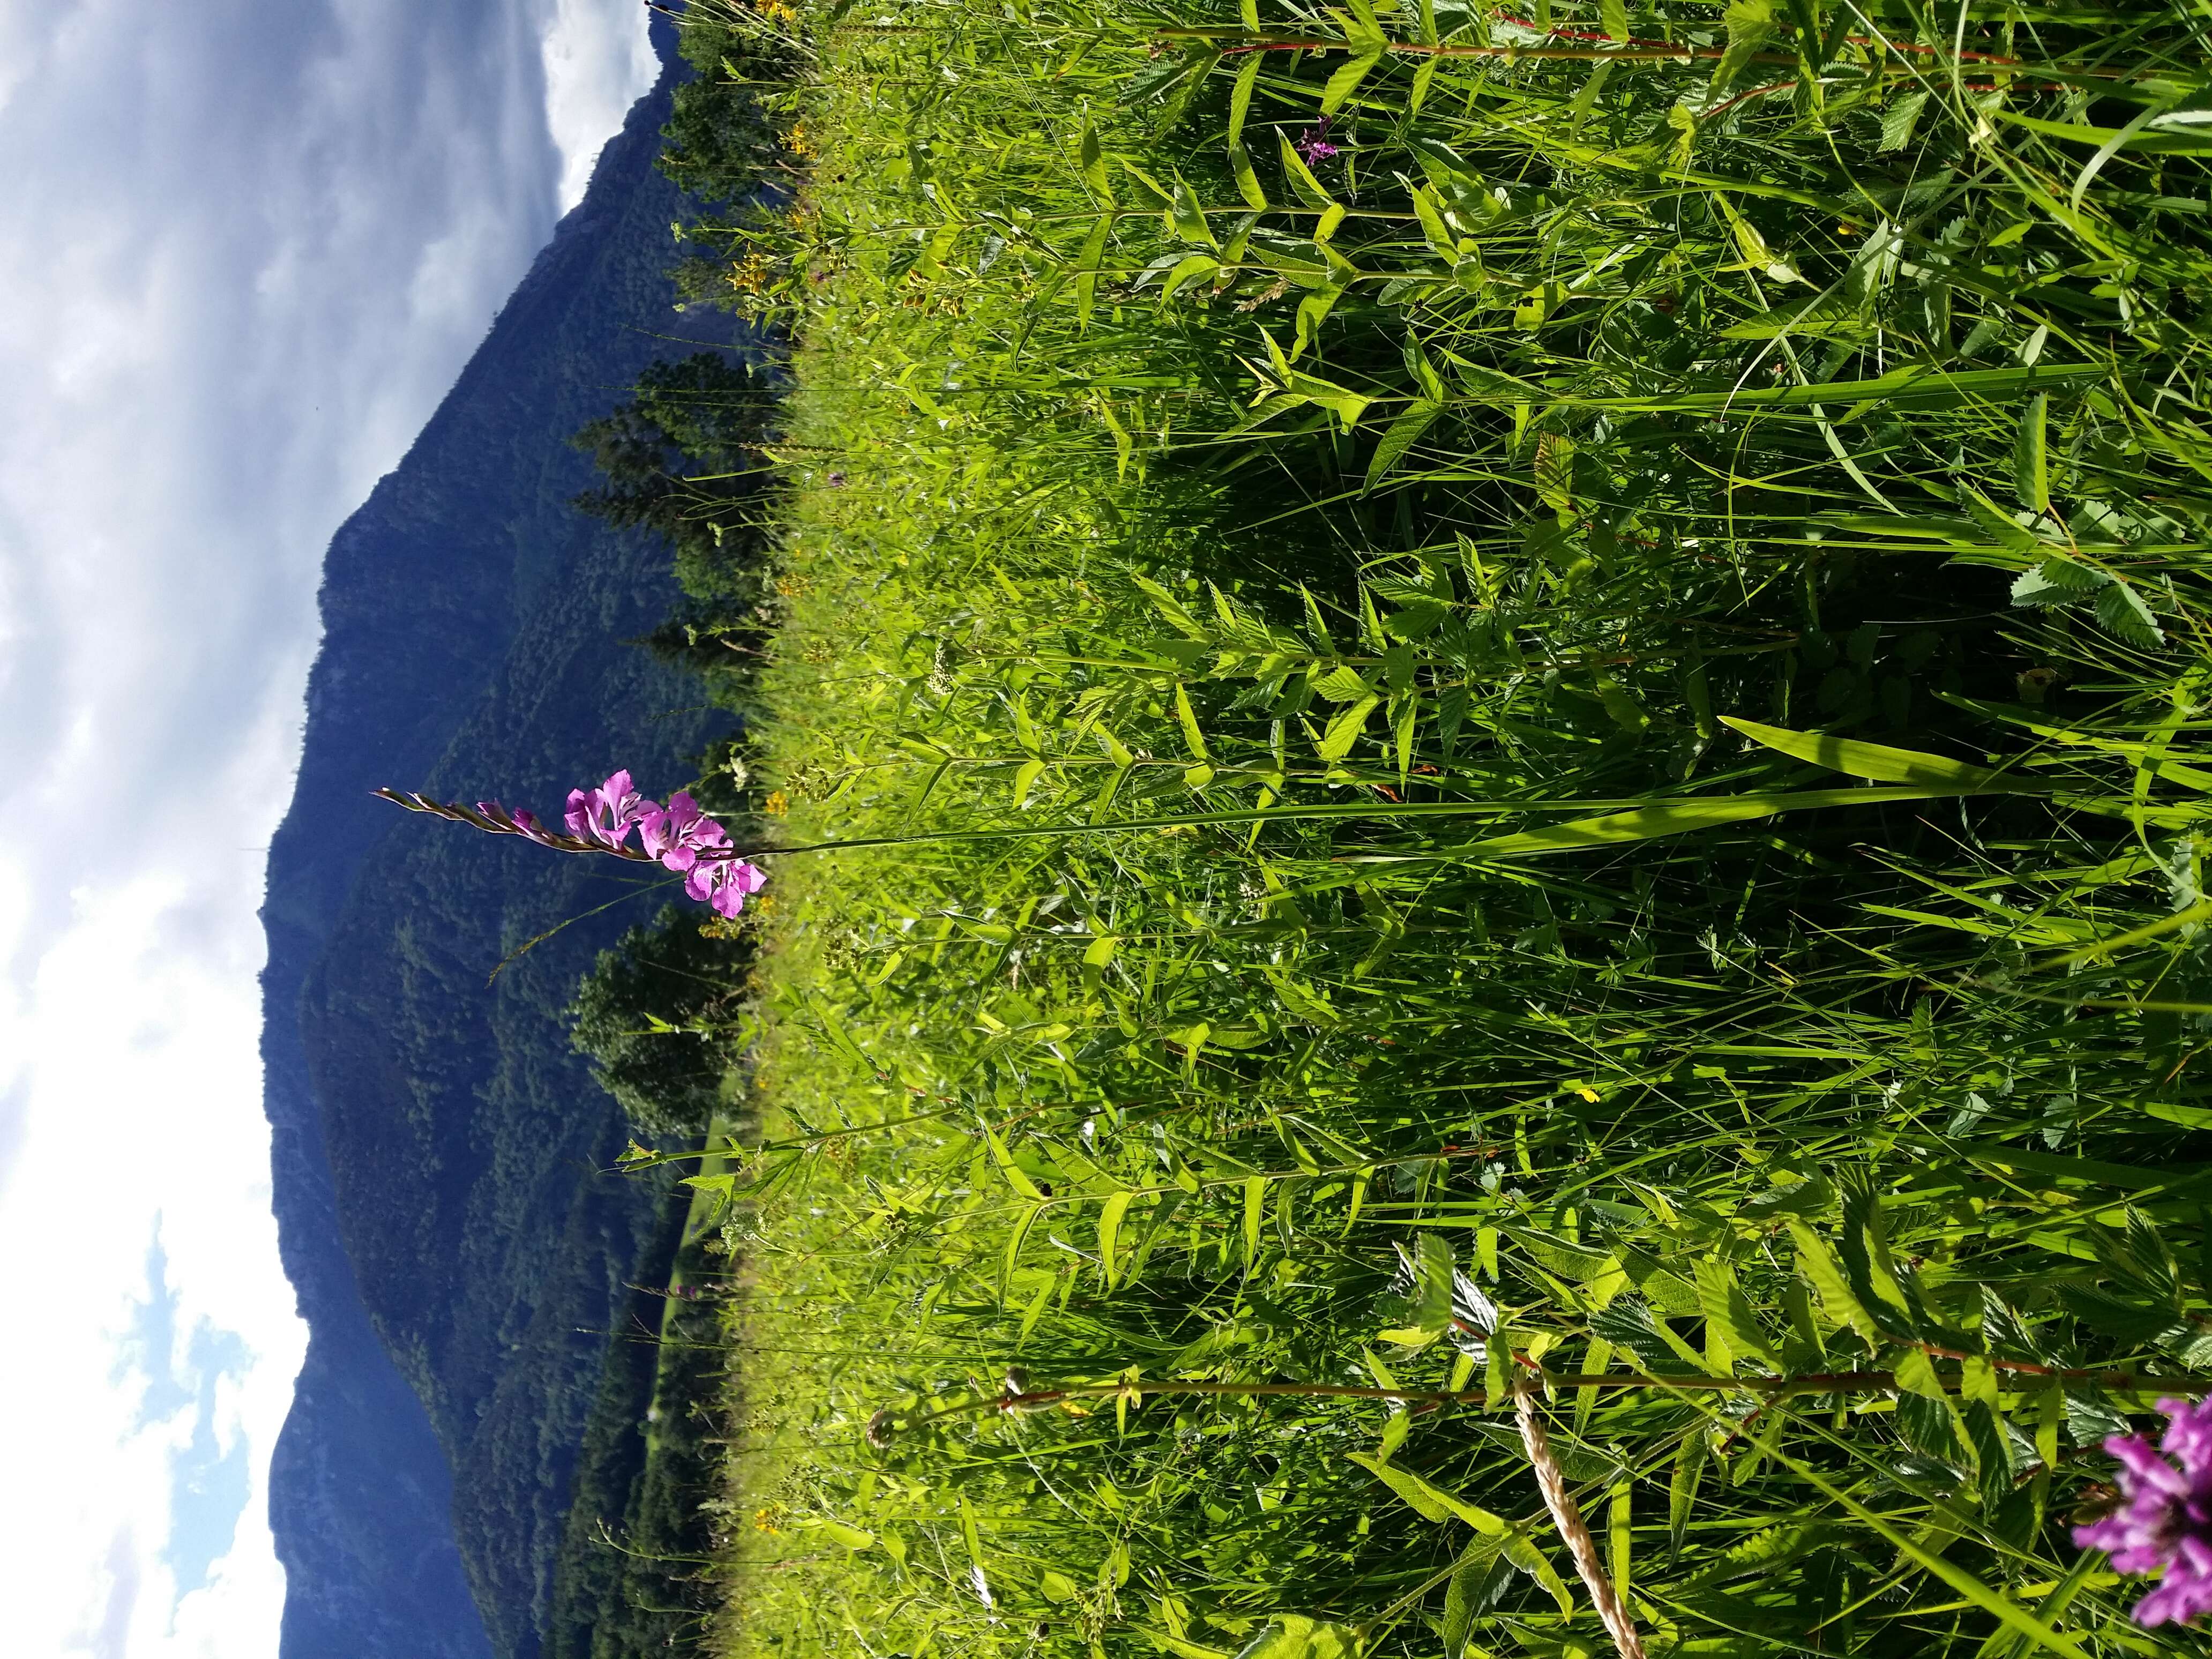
[2165, 1521]
[679, 833]
[733, 880]
[605, 814]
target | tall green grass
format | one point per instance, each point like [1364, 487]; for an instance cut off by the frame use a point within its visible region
[1556, 745]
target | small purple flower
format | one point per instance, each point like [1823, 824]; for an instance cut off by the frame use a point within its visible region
[605, 814]
[1313, 144]
[2167, 1518]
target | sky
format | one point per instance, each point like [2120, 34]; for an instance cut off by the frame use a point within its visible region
[244, 247]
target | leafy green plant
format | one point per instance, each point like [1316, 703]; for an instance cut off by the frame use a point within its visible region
[1502, 711]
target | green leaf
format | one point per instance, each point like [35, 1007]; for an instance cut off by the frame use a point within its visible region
[1525, 1556]
[1345, 80]
[1429, 209]
[1248, 181]
[853, 1538]
[1475, 1582]
[2058, 580]
[1240, 94]
[1818, 1265]
[1682, 818]
[1612, 18]
[1897, 120]
[1012, 1171]
[2031, 457]
[2121, 612]
[1682, 1484]
[1309, 188]
[1883, 765]
[1187, 219]
[1431, 1502]
[1723, 1304]
[1344, 730]
[1086, 268]
[1749, 24]
[1110, 1231]
[1016, 1239]
[1092, 161]
[1187, 717]
[1293, 1635]
[1399, 437]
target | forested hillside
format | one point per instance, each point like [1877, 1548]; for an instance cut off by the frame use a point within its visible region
[438, 1144]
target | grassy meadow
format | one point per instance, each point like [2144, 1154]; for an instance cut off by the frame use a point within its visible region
[1513, 702]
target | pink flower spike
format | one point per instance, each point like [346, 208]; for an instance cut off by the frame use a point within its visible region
[2165, 1521]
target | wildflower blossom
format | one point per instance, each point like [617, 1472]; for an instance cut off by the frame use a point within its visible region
[1314, 145]
[2166, 1520]
[725, 884]
[606, 814]
[678, 833]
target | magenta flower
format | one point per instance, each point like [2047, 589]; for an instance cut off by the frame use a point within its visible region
[2167, 1518]
[725, 884]
[605, 814]
[677, 834]
[1313, 144]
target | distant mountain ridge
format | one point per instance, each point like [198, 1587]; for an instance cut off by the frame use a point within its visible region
[436, 1145]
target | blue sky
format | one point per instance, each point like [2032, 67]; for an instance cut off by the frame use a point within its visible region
[244, 247]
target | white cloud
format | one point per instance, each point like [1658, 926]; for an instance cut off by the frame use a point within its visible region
[244, 247]
[597, 60]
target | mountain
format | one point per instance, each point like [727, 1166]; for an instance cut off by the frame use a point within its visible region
[458, 1254]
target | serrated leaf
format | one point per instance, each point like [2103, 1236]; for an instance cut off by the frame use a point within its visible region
[1345, 80]
[1344, 730]
[1240, 94]
[1749, 24]
[1555, 472]
[1897, 120]
[1817, 1266]
[1722, 1300]
[2121, 612]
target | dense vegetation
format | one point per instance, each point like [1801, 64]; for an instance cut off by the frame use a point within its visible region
[1513, 703]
